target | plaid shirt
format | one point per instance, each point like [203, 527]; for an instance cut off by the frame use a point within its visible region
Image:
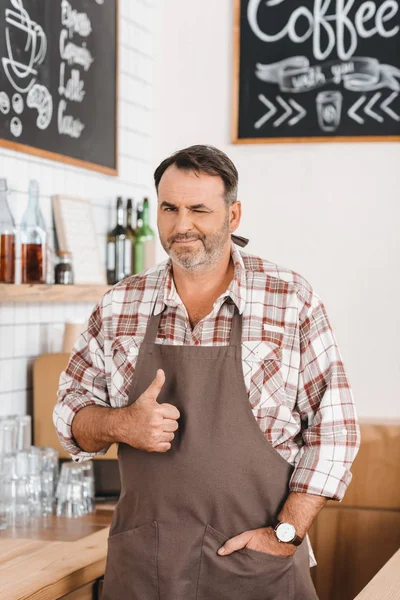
[297, 386]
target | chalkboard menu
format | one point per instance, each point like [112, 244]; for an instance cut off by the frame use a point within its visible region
[58, 72]
[316, 70]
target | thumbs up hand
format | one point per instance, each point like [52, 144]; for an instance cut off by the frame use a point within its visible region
[148, 425]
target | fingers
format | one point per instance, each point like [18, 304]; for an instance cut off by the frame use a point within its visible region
[236, 543]
[170, 424]
[169, 411]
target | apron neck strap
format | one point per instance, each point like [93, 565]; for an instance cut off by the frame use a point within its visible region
[154, 322]
[152, 327]
[236, 329]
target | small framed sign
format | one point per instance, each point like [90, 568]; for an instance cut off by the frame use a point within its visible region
[312, 71]
[76, 233]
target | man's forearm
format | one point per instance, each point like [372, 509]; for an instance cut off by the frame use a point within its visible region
[95, 427]
[301, 510]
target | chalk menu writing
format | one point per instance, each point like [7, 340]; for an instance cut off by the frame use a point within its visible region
[318, 69]
[58, 79]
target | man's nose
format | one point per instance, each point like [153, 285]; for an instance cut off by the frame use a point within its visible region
[184, 222]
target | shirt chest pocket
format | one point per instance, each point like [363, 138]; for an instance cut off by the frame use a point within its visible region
[262, 369]
[124, 355]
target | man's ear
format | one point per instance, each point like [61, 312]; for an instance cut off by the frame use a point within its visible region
[235, 216]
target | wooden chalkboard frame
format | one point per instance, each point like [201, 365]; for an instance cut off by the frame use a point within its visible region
[286, 140]
[76, 162]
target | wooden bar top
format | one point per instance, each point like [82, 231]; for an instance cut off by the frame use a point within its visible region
[386, 583]
[50, 560]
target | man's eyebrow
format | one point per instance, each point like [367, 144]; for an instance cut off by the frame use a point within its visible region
[171, 205]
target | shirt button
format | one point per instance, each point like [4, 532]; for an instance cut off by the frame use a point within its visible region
[132, 350]
[344, 431]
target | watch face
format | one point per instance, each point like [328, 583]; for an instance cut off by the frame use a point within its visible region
[285, 532]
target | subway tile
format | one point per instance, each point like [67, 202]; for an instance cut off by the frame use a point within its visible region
[43, 339]
[6, 341]
[55, 335]
[21, 312]
[20, 340]
[7, 314]
[33, 340]
[46, 312]
[13, 403]
[6, 375]
[34, 312]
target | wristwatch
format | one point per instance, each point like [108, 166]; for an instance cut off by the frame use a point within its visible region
[286, 532]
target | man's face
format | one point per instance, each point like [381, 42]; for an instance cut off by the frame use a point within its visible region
[193, 218]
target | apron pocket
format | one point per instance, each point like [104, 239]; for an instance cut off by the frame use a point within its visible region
[131, 567]
[245, 574]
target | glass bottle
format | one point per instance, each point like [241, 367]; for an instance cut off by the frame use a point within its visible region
[145, 246]
[116, 248]
[130, 239]
[33, 239]
[64, 274]
[7, 238]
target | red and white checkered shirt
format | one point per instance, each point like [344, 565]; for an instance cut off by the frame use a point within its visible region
[297, 386]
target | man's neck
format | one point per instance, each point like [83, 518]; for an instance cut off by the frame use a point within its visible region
[212, 281]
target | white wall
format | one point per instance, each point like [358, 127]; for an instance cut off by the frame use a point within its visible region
[32, 329]
[328, 211]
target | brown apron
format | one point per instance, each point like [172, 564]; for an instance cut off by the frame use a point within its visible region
[221, 477]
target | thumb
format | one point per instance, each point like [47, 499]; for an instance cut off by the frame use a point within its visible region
[156, 385]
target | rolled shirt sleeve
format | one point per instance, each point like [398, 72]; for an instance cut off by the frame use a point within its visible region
[83, 383]
[325, 402]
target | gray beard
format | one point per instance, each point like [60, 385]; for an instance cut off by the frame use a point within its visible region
[209, 253]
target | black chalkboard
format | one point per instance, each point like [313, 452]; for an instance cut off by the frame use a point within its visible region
[58, 71]
[312, 70]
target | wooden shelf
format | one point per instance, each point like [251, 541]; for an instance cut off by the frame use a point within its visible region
[51, 293]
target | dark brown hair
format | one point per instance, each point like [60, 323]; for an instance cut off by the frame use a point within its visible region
[208, 159]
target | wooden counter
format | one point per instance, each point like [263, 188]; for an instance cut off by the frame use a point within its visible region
[54, 559]
[386, 584]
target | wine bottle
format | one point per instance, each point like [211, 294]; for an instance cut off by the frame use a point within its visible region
[145, 245]
[116, 247]
[33, 240]
[7, 238]
[130, 239]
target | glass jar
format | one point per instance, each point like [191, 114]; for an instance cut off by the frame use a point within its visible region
[64, 274]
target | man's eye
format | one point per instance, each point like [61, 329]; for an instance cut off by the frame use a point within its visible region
[168, 208]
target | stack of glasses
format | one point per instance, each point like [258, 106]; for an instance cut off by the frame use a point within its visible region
[30, 482]
[75, 489]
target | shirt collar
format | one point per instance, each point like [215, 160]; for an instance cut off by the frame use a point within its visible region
[168, 295]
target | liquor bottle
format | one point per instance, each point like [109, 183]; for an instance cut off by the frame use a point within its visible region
[130, 239]
[116, 247]
[7, 238]
[145, 246]
[33, 240]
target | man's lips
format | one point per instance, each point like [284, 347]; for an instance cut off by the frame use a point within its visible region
[185, 241]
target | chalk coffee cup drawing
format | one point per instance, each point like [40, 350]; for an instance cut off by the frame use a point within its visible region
[329, 110]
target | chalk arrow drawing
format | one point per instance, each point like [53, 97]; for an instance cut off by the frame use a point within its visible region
[353, 114]
[271, 111]
[286, 114]
[368, 109]
[300, 116]
[291, 107]
[389, 111]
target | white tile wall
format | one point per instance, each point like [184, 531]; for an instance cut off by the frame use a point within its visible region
[27, 330]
